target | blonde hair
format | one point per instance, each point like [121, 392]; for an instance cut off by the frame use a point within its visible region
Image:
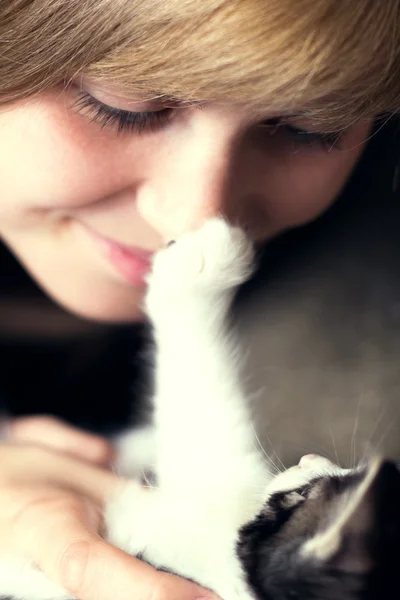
[337, 60]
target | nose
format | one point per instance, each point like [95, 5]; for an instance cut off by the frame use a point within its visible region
[308, 460]
[192, 178]
[314, 461]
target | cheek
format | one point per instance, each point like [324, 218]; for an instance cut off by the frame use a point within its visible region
[306, 192]
[48, 160]
[304, 185]
[309, 188]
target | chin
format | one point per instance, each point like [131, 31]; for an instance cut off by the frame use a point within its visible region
[103, 314]
[114, 306]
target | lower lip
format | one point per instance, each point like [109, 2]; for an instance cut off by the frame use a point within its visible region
[132, 263]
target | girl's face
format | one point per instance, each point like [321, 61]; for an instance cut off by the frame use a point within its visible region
[84, 205]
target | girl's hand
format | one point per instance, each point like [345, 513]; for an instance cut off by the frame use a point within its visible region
[50, 511]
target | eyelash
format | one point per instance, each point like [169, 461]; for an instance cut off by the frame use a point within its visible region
[328, 141]
[124, 121]
[325, 140]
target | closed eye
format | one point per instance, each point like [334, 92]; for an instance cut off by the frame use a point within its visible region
[121, 120]
[300, 136]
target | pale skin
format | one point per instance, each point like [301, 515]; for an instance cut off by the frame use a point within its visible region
[61, 174]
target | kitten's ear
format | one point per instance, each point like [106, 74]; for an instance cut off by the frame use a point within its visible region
[366, 528]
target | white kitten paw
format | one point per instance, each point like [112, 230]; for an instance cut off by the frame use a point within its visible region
[135, 452]
[215, 257]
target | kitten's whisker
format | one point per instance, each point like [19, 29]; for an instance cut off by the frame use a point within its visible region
[334, 447]
[270, 460]
[384, 435]
[275, 465]
[353, 441]
[367, 445]
[282, 467]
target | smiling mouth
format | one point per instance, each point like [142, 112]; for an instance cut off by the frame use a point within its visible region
[131, 262]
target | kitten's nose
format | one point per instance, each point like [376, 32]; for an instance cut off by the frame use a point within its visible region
[316, 463]
[308, 459]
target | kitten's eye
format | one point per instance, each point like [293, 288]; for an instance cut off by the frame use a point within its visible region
[292, 499]
[304, 492]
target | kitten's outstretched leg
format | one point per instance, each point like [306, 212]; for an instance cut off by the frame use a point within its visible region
[204, 435]
[210, 475]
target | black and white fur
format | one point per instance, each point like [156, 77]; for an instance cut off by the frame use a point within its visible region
[216, 514]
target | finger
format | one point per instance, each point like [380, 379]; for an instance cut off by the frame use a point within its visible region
[64, 544]
[36, 465]
[57, 434]
[95, 570]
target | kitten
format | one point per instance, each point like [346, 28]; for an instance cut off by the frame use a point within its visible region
[216, 513]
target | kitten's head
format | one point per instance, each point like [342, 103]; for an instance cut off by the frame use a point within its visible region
[326, 533]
